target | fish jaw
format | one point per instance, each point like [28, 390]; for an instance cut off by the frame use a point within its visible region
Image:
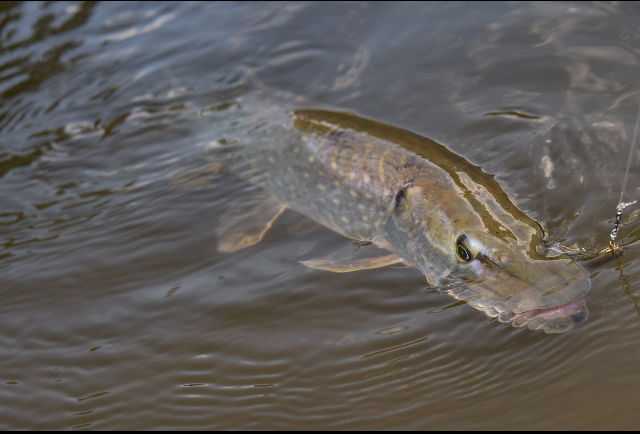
[558, 319]
[553, 302]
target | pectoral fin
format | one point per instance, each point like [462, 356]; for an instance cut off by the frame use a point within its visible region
[247, 220]
[348, 265]
[303, 225]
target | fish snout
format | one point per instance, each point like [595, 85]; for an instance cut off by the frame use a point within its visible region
[547, 296]
[555, 284]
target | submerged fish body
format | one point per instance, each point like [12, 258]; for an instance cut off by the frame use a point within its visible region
[427, 206]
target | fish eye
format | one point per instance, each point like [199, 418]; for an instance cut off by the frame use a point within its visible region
[464, 254]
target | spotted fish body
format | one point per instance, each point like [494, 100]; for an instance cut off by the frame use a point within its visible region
[407, 194]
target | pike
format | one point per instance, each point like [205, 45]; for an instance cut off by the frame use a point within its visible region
[420, 203]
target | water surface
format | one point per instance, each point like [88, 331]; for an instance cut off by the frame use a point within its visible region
[119, 313]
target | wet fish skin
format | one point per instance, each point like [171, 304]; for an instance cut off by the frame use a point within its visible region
[371, 181]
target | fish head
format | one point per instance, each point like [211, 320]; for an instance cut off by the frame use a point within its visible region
[514, 283]
[491, 253]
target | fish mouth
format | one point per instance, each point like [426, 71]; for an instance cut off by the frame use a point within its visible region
[548, 298]
[543, 295]
[557, 319]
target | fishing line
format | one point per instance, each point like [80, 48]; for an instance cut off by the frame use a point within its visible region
[622, 205]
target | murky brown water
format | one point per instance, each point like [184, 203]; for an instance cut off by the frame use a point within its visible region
[119, 313]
